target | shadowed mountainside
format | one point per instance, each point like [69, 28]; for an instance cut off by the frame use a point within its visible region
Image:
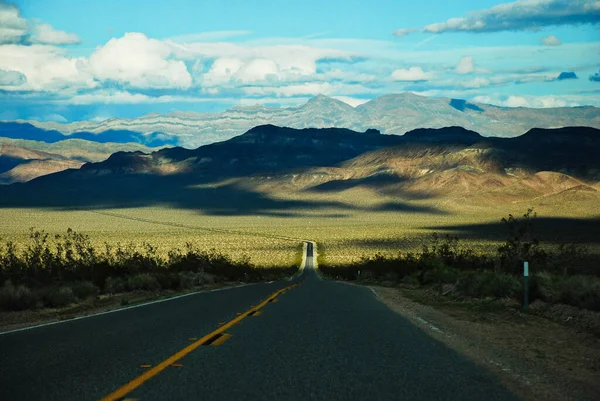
[23, 160]
[236, 176]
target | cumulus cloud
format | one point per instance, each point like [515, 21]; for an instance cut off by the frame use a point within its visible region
[566, 75]
[15, 29]
[551, 41]
[476, 83]
[405, 31]
[139, 62]
[522, 15]
[46, 34]
[12, 26]
[232, 64]
[290, 59]
[537, 102]
[46, 68]
[411, 74]
[11, 78]
[595, 77]
[465, 66]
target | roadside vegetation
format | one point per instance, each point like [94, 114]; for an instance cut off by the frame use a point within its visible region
[59, 270]
[566, 273]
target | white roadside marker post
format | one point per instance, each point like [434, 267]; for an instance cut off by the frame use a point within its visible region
[525, 285]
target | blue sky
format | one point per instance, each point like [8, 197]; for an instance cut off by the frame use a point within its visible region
[74, 60]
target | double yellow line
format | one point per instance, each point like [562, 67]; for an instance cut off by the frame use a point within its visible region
[121, 392]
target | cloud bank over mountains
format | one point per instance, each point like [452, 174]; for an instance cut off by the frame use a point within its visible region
[39, 67]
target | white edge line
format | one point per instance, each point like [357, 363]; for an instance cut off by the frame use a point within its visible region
[125, 308]
[431, 326]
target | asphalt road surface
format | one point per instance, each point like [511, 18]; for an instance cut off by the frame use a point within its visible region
[305, 339]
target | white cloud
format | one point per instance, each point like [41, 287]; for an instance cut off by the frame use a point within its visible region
[538, 102]
[312, 89]
[259, 69]
[352, 101]
[475, 83]
[349, 76]
[465, 65]
[253, 63]
[46, 34]
[551, 41]
[522, 15]
[308, 89]
[124, 97]
[222, 71]
[411, 74]
[12, 26]
[140, 62]
[46, 68]
[403, 32]
[11, 78]
[236, 72]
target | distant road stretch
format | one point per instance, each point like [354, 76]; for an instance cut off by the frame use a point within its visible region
[308, 338]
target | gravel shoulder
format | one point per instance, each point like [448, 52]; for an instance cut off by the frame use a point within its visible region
[535, 357]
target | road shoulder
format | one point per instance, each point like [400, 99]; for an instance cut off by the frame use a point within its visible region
[534, 357]
[17, 320]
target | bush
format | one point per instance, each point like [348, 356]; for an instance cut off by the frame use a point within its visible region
[168, 280]
[115, 285]
[580, 291]
[441, 275]
[85, 289]
[487, 284]
[144, 282]
[14, 298]
[521, 245]
[57, 297]
[188, 280]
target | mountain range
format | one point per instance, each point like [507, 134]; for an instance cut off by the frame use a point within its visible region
[243, 175]
[390, 114]
[23, 160]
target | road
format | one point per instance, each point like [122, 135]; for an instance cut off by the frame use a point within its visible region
[305, 339]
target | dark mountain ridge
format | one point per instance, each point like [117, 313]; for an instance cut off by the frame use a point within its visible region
[271, 149]
[451, 157]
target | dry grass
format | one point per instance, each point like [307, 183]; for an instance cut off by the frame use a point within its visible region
[352, 227]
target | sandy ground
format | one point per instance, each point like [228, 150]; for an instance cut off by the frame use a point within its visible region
[535, 357]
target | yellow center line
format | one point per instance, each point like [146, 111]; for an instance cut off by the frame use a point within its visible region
[141, 379]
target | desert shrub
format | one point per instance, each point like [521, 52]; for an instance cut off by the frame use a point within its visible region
[573, 259]
[579, 291]
[85, 289]
[542, 286]
[521, 245]
[143, 281]
[57, 297]
[15, 298]
[487, 284]
[167, 280]
[115, 285]
[441, 275]
[205, 278]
